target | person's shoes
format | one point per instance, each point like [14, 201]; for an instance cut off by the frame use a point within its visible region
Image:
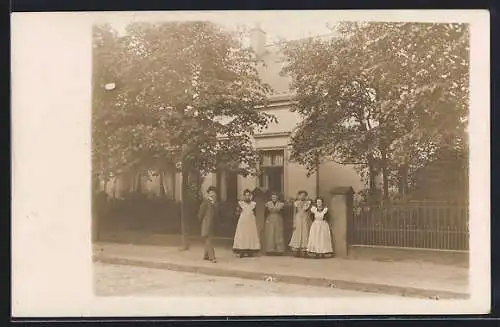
[205, 258]
[213, 261]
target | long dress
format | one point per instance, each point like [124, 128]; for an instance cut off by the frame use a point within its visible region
[260, 216]
[246, 237]
[320, 240]
[275, 243]
[301, 224]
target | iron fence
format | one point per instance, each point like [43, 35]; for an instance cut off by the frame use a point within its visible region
[422, 225]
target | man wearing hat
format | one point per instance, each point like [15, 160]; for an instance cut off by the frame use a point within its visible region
[207, 216]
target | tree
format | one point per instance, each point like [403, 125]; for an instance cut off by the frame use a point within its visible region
[107, 50]
[382, 96]
[188, 93]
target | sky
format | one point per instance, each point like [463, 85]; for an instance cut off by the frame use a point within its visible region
[286, 25]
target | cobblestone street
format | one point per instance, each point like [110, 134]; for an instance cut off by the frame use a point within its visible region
[117, 280]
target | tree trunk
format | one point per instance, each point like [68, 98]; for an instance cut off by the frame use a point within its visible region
[185, 207]
[115, 181]
[403, 180]
[385, 173]
[386, 184]
[162, 185]
[138, 184]
[372, 174]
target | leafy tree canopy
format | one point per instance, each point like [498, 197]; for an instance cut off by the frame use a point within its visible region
[392, 92]
[185, 91]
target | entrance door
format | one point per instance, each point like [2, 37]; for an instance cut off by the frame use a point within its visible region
[271, 165]
[275, 178]
[232, 186]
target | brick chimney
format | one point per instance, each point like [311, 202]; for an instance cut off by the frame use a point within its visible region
[258, 40]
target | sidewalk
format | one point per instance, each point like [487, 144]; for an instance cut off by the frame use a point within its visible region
[404, 278]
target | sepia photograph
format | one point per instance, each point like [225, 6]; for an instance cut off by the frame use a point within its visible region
[262, 155]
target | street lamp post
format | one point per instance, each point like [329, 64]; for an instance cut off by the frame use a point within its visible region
[184, 191]
[183, 167]
[184, 204]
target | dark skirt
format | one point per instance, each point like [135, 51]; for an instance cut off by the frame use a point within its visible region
[274, 240]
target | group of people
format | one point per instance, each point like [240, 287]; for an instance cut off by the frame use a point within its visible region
[311, 235]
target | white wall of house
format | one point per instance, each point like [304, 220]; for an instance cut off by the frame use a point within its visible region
[332, 175]
[287, 120]
[296, 179]
[248, 182]
[270, 142]
[275, 137]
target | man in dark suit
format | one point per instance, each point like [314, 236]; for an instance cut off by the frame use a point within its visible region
[207, 215]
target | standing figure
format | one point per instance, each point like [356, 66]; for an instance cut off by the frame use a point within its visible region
[246, 239]
[275, 243]
[320, 240]
[206, 215]
[260, 213]
[301, 224]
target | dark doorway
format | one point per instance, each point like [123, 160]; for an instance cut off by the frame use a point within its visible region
[227, 185]
[227, 188]
[232, 186]
[272, 179]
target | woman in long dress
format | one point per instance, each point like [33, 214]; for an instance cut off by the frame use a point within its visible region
[275, 243]
[259, 198]
[301, 225]
[246, 238]
[320, 240]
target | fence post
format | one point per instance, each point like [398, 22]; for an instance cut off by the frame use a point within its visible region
[340, 208]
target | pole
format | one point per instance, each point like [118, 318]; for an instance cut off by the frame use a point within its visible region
[184, 206]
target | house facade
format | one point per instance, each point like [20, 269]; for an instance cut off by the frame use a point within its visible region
[278, 171]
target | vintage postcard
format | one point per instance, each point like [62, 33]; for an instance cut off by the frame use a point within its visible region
[250, 163]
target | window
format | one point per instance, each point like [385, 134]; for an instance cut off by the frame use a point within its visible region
[271, 170]
[271, 158]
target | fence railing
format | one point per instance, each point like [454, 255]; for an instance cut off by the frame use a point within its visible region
[409, 225]
[162, 216]
[420, 225]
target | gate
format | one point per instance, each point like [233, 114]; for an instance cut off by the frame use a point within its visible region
[411, 225]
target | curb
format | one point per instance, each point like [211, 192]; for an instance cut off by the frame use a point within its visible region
[290, 279]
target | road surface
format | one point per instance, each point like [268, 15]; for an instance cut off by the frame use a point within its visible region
[118, 280]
